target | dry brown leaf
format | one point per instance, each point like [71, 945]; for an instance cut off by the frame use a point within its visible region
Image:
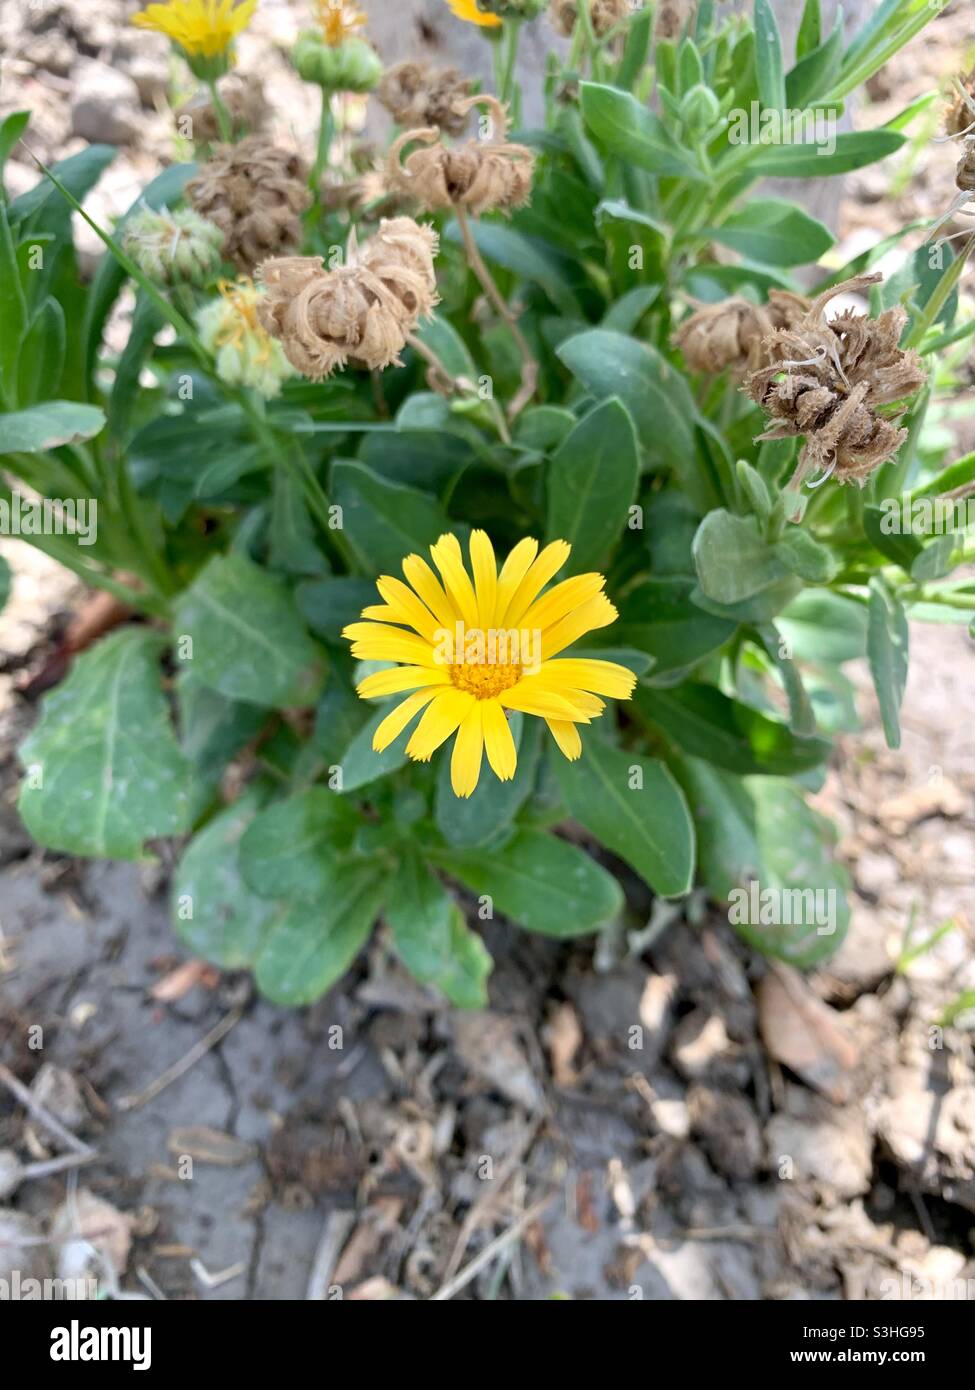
[562, 1036]
[806, 1035]
[208, 1145]
[178, 983]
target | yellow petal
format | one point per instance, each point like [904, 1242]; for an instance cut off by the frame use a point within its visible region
[567, 737]
[597, 612]
[498, 740]
[585, 673]
[513, 571]
[397, 680]
[548, 564]
[531, 698]
[467, 10]
[439, 722]
[485, 571]
[465, 760]
[427, 585]
[394, 724]
[450, 562]
[571, 593]
[409, 609]
[380, 642]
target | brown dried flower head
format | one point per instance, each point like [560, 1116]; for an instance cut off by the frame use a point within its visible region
[255, 192]
[416, 94]
[965, 174]
[672, 18]
[827, 379]
[361, 313]
[242, 95]
[480, 175]
[729, 335]
[960, 114]
[606, 14]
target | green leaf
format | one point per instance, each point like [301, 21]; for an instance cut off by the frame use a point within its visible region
[810, 34]
[489, 811]
[42, 352]
[293, 546]
[79, 173]
[48, 426]
[361, 765]
[146, 323]
[4, 582]
[821, 626]
[592, 484]
[768, 57]
[247, 638]
[104, 770]
[815, 73]
[759, 830]
[312, 945]
[294, 846]
[774, 232]
[213, 730]
[733, 559]
[654, 392]
[803, 555]
[706, 723]
[431, 937]
[13, 311]
[383, 521]
[627, 128]
[888, 647]
[658, 617]
[854, 150]
[329, 605]
[543, 884]
[634, 807]
[214, 912]
[11, 129]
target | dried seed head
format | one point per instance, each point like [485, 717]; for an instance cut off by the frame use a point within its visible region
[960, 113]
[606, 15]
[826, 381]
[243, 97]
[729, 335]
[244, 353]
[174, 247]
[672, 18]
[480, 176]
[417, 95]
[255, 192]
[361, 313]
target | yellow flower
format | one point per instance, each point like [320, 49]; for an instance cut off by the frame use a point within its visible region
[338, 20]
[201, 28]
[474, 649]
[467, 9]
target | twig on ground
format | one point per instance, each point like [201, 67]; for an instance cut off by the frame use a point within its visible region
[178, 1069]
[41, 1114]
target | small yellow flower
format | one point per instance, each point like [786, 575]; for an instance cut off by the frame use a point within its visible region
[201, 28]
[467, 9]
[472, 650]
[339, 20]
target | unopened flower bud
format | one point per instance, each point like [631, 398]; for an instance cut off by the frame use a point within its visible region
[172, 247]
[699, 109]
[351, 66]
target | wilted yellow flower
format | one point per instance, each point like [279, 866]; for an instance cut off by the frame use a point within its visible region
[244, 354]
[339, 20]
[201, 28]
[473, 649]
[467, 9]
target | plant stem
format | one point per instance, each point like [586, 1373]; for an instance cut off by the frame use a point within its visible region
[224, 123]
[529, 366]
[510, 39]
[454, 385]
[326, 133]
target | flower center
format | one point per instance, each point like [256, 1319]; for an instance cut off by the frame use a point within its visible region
[484, 681]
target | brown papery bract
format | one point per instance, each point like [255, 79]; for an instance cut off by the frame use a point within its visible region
[255, 192]
[363, 312]
[826, 380]
[418, 95]
[480, 176]
[729, 335]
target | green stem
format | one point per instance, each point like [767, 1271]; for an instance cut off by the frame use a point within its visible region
[326, 134]
[224, 123]
[509, 59]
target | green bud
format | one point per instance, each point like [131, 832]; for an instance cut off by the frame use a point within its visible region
[174, 247]
[514, 9]
[699, 109]
[350, 66]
